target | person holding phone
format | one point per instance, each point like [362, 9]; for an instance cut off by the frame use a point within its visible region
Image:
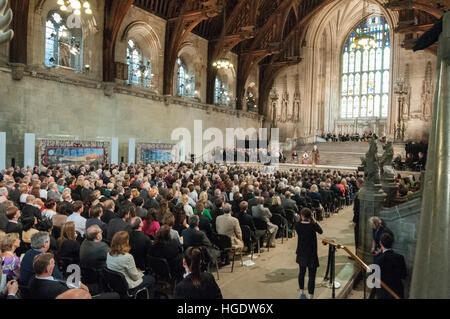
[307, 251]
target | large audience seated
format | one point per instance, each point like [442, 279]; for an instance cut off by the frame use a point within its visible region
[349, 137]
[130, 220]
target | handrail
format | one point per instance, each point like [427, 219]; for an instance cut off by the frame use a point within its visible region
[360, 262]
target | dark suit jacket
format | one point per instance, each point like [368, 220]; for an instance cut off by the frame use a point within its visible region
[96, 221]
[29, 211]
[26, 267]
[172, 252]
[208, 288]
[151, 203]
[193, 237]
[393, 270]
[3, 219]
[14, 195]
[93, 254]
[140, 244]
[289, 204]
[14, 228]
[252, 202]
[108, 215]
[46, 289]
[141, 212]
[85, 192]
[116, 225]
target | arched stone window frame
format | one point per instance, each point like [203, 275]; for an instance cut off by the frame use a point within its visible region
[149, 45]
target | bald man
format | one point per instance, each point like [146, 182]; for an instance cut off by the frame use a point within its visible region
[75, 294]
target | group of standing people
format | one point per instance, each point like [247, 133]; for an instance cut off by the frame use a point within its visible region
[315, 156]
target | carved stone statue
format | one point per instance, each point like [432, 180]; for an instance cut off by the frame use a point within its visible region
[370, 164]
[284, 111]
[5, 19]
[427, 93]
[386, 161]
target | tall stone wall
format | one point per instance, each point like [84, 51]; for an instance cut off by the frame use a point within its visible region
[50, 105]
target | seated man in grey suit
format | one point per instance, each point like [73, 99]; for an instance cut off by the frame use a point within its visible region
[259, 211]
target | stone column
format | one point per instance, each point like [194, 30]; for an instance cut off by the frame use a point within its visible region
[431, 272]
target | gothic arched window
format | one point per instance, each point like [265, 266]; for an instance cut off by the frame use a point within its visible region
[366, 71]
[63, 46]
[139, 67]
[185, 81]
[221, 93]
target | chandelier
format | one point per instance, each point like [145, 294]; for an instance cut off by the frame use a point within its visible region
[75, 6]
[223, 64]
[363, 40]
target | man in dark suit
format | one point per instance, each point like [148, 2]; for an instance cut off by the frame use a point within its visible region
[114, 196]
[13, 192]
[246, 219]
[93, 250]
[43, 285]
[193, 236]
[86, 191]
[97, 213]
[13, 226]
[119, 224]
[140, 210]
[108, 213]
[289, 203]
[392, 268]
[140, 243]
[40, 243]
[29, 210]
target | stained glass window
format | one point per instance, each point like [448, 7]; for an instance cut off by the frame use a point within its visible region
[221, 93]
[139, 67]
[357, 84]
[63, 46]
[186, 81]
[344, 107]
[366, 71]
[349, 107]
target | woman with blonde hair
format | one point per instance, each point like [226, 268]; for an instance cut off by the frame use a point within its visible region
[23, 189]
[120, 260]
[11, 263]
[186, 207]
[276, 207]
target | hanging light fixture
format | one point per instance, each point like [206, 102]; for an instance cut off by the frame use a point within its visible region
[363, 40]
[75, 5]
[223, 63]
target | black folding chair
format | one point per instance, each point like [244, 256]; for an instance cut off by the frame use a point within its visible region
[161, 271]
[262, 225]
[94, 279]
[207, 260]
[282, 225]
[290, 216]
[225, 245]
[116, 282]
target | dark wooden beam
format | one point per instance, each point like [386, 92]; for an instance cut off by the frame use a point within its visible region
[18, 46]
[412, 4]
[115, 12]
[191, 14]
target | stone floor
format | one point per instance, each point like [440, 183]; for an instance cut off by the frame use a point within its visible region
[274, 274]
